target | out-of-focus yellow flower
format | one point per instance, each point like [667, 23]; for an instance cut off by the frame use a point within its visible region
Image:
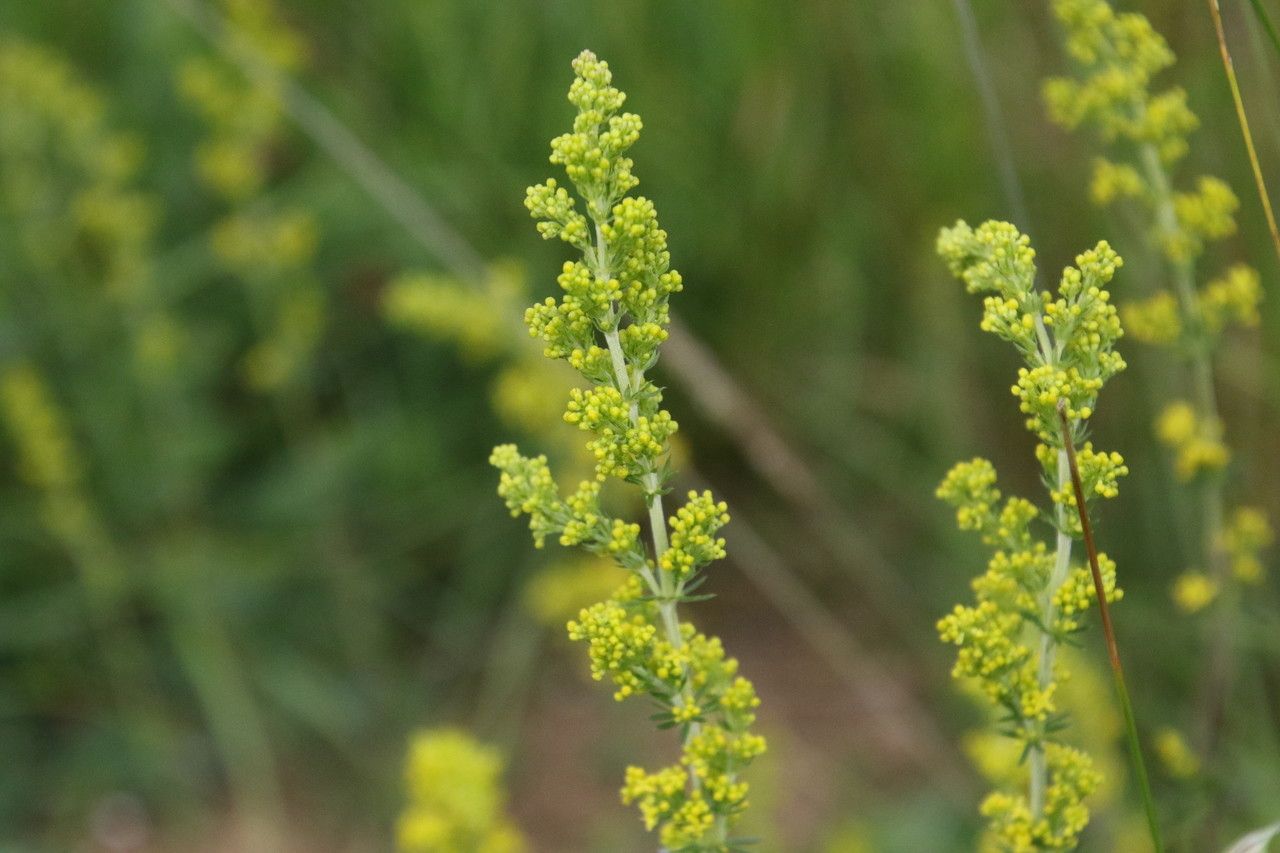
[1234, 297]
[997, 757]
[47, 458]
[1196, 442]
[559, 592]
[1155, 320]
[1247, 535]
[455, 798]
[1114, 180]
[1177, 757]
[444, 308]
[258, 244]
[231, 167]
[1194, 591]
[261, 23]
[64, 176]
[469, 315]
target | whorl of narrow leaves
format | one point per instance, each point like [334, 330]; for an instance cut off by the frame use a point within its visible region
[608, 323]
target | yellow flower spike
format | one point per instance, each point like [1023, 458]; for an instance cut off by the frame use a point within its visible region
[1030, 599]
[1113, 91]
[608, 323]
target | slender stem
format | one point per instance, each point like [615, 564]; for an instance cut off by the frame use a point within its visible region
[1108, 631]
[663, 584]
[1039, 772]
[1048, 643]
[666, 588]
[1229, 67]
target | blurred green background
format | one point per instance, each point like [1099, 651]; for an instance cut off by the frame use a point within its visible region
[249, 540]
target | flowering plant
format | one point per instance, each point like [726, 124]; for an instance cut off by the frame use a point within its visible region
[1031, 600]
[608, 325]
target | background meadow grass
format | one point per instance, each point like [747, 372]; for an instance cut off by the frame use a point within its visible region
[293, 575]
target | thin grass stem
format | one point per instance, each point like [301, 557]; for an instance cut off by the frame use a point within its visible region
[1108, 631]
[1229, 67]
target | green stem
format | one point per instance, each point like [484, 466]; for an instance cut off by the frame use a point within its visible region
[666, 588]
[1108, 631]
[1048, 644]
[1039, 771]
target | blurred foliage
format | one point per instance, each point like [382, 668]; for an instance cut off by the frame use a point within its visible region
[249, 539]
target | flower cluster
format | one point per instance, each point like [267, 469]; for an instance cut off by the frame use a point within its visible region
[48, 459]
[1064, 816]
[1231, 298]
[1118, 55]
[1196, 441]
[244, 119]
[1145, 130]
[1176, 754]
[607, 324]
[455, 798]
[1067, 340]
[1031, 600]
[1193, 591]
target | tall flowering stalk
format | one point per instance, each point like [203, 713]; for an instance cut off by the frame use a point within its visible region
[1145, 131]
[1031, 599]
[608, 325]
